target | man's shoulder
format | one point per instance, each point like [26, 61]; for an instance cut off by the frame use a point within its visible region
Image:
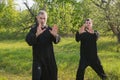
[34, 25]
[33, 28]
[95, 31]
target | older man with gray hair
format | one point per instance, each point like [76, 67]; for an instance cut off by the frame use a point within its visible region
[41, 38]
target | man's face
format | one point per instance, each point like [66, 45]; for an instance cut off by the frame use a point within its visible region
[88, 24]
[42, 19]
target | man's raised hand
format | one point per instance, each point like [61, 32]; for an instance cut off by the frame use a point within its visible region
[39, 30]
[54, 30]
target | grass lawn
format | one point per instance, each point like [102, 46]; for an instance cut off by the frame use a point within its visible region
[16, 59]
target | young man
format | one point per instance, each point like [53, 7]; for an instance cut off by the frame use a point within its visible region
[88, 51]
[41, 38]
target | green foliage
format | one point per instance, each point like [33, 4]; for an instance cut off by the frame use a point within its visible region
[11, 20]
[106, 16]
[8, 17]
[69, 15]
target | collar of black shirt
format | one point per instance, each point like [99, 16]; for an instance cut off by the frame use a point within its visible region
[44, 27]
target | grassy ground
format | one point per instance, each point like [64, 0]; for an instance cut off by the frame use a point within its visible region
[16, 59]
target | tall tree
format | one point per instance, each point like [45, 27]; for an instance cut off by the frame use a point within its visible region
[8, 15]
[67, 14]
[110, 14]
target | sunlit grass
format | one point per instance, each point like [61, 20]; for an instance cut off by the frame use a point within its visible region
[16, 59]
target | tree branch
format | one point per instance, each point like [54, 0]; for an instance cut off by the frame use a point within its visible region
[98, 5]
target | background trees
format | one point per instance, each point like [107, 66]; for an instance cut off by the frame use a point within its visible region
[110, 13]
[69, 15]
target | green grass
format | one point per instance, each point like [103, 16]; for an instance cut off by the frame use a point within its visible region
[16, 59]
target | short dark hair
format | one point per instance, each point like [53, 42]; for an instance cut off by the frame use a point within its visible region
[88, 19]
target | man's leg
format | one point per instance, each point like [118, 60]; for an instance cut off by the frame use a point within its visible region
[36, 71]
[81, 70]
[99, 69]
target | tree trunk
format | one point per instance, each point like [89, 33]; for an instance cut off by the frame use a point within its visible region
[115, 31]
[118, 37]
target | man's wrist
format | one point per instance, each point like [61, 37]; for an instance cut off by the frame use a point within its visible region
[37, 34]
[57, 38]
[56, 35]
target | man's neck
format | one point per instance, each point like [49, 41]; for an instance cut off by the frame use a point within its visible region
[45, 26]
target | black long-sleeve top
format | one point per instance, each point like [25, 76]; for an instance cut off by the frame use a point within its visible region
[43, 53]
[88, 45]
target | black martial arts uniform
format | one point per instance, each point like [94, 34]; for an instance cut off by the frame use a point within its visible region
[44, 64]
[88, 54]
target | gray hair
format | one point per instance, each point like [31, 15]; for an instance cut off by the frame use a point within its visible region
[42, 12]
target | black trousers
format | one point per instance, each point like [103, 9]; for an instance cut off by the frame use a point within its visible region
[36, 71]
[43, 72]
[95, 65]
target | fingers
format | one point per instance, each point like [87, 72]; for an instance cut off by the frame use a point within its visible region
[54, 33]
[43, 30]
[55, 28]
[82, 29]
[39, 26]
[40, 30]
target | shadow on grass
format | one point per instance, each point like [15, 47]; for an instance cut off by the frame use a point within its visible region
[16, 61]
[12, 36]
[108, 46]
